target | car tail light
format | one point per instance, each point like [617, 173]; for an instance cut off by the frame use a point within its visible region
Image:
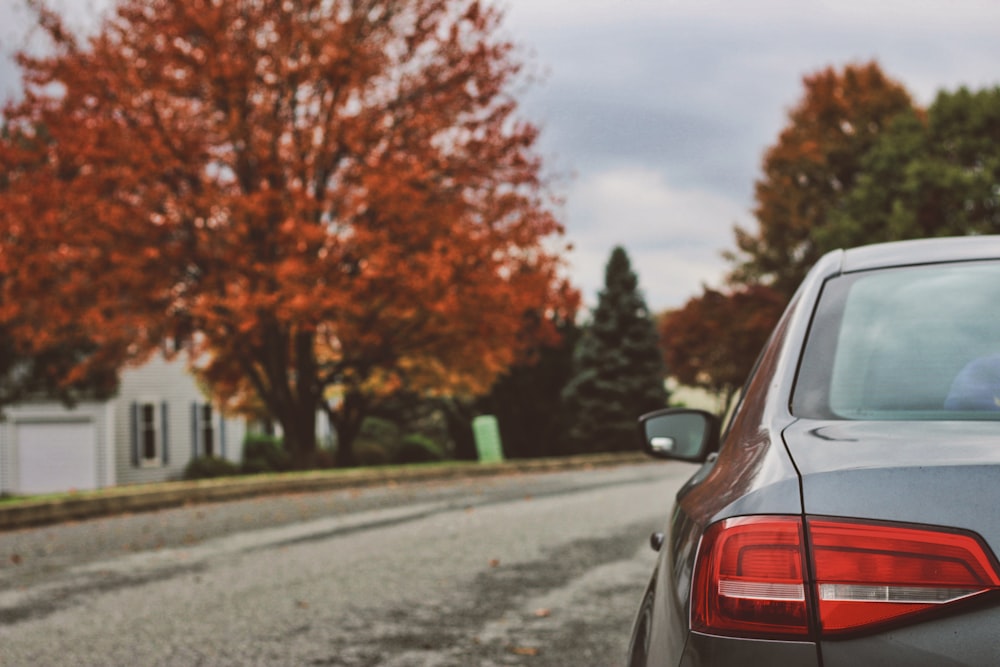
[868, 573]
[752, 577]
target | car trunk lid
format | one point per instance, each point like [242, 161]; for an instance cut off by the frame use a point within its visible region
[939, 475]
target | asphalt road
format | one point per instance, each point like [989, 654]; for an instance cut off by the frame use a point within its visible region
[537, 569]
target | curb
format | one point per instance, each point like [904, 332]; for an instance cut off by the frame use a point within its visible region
[146, 498]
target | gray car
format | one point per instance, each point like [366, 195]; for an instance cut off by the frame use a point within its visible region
[848, 514]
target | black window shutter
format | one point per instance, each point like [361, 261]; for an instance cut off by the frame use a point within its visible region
[194, 430]
[222, 435]
[164, 419]
[134, 424]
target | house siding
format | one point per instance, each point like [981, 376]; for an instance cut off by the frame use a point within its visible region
[170, 394]
[167, 385]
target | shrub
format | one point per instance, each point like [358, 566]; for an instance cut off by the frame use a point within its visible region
[371, 453]
[264, 453]
[207, 467]
[417, 448]
[377, 442]
[382, 431]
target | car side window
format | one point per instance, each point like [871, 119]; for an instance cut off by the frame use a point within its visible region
[750, 402]
[730, 411]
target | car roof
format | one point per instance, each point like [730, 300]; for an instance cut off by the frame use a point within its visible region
[920, 251]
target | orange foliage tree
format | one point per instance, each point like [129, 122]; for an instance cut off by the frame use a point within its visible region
[811, 168]
[322, 200]
[713, 341]
[61, 360]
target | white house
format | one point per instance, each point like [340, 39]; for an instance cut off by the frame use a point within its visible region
[159, 420]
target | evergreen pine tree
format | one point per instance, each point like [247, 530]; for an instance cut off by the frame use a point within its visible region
[618, 368]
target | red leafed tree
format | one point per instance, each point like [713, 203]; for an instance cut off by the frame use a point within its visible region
[811, 168]
[51, 361]
[713, 341]
[323, 200]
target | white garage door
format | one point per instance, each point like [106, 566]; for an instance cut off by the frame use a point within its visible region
[56, 456]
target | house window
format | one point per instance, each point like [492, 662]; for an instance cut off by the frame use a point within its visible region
[205, 441]
[149, 433]
[207, 432]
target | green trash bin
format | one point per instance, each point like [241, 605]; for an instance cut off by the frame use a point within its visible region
[487, 432]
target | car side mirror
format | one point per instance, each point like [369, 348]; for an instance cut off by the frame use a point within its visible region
[679, 433]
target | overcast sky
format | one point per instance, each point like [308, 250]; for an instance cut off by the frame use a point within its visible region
[658, 111]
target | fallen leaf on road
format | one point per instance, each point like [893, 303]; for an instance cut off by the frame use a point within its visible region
[494, 562]
[15, 559]
[524, 650]
[543, 612]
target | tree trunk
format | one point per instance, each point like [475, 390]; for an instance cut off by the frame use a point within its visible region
[346, 421]
[458, 419]
[300, 436]
[292, 398]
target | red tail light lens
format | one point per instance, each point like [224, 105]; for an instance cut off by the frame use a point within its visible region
[751, 578]
[869, 573]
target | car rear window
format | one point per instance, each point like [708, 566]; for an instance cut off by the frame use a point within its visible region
[905, 343]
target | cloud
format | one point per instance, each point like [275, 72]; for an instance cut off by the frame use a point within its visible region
[19, 32]
[554, 14]
[663, 109]
[674, 236]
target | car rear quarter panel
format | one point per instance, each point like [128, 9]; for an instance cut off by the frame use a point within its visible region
[752, 475]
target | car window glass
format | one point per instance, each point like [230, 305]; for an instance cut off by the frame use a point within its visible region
[727, 416]
[916, 342]
[749, 405]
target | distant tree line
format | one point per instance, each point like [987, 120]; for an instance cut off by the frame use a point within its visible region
[581, 395]
[858, 162]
